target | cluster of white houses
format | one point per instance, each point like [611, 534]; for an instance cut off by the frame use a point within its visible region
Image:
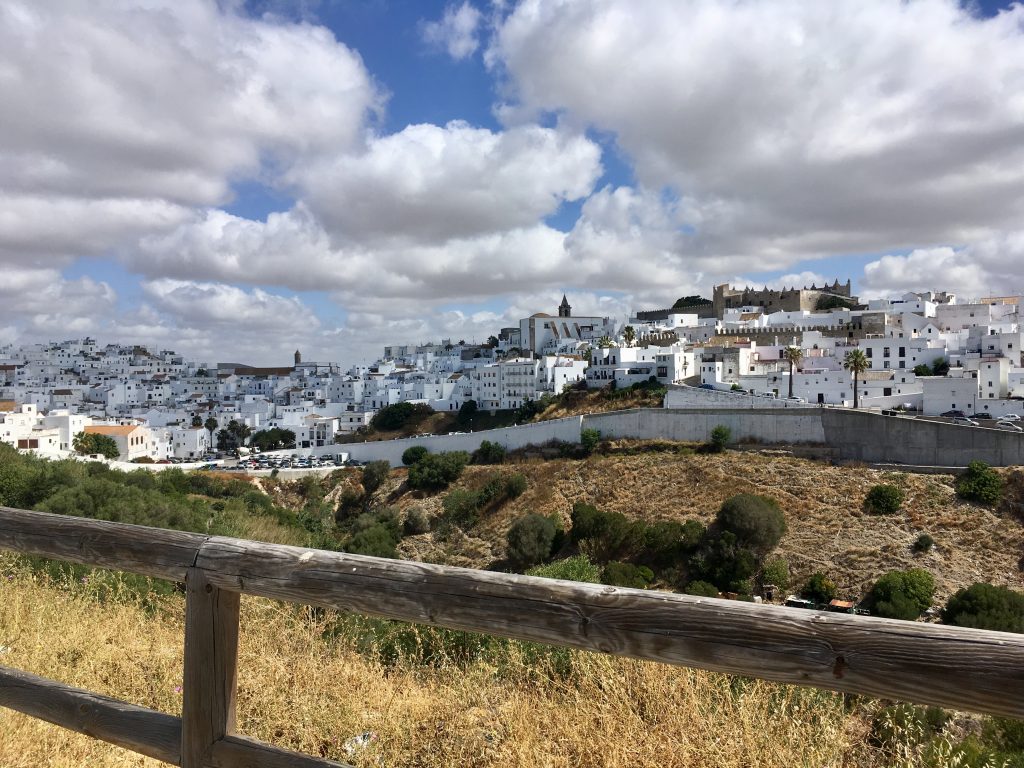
[150, 401]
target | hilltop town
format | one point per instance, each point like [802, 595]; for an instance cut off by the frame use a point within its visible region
[930, 353]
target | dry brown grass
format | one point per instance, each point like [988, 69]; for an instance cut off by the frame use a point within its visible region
[827, 528]
[297, 690]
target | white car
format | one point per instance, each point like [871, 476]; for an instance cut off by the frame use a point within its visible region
[1010, 417]
[1009, 425]
[965, 421]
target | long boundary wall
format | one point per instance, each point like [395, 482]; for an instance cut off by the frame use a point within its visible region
[765, 425]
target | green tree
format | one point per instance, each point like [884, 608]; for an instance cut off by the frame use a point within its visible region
[273, 439]
[197, 421]
[793, 356]
[374, 475]
[605, 342]
[923, 370]
[857, 362]
[980, 483]
[90, 443]
[392, 417]
[489, 453]
[492, 341]
[902, 594]
[940, 366]
[627, 575]
[720, 436]
[884, 499]
[413, 454]
[629, 335]
[589, 440]
[530, 539]
[776, 571]
[756, 521]
[984, 606]
[819, 588]
[436, 471]
[211, 427]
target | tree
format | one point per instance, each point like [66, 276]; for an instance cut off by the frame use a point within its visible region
[392, 417]
[530, 539]
[720, 436]
[374, 475]
[984, 606]
[233, 435]
[819, 588]
[605, 342]
[274, 438]
[413, 454]
[756, 521]
[489, 453]
[202, 373]
[629, 335]
[940, 366]
[492, 341]
[884, 499]
[466, 413]
[793, 356]
[211, 426]
[776, 572]
[691, 301]
[436, 471]
[627, 575]
[857, 362]
[197, 421]
[589, 440]
[923, 370]
[89, 443]
[701, 589]
[980, 483]
[902, 594]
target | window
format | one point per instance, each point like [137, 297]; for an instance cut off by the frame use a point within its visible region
[903, 351]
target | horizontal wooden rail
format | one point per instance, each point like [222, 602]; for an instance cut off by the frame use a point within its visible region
[924, 663]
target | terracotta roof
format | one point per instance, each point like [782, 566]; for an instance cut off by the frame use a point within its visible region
[7, 405]
[123, 431]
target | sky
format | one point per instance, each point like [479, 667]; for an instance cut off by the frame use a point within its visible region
[236, 180]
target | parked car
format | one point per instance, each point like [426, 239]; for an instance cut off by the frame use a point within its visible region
[1010, 417]
[707, 386]
[953, 415]
[982, 416]
[965, 421]
[1009, 425]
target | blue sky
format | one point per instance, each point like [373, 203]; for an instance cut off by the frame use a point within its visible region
[241, 179]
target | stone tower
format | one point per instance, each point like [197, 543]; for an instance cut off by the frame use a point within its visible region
[298, 358]
[564, 310]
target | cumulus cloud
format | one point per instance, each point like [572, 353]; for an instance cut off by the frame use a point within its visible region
[794, 129]
[116, 116]
[220, 306]
[456, 32]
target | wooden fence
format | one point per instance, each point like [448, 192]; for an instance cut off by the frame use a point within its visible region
[946, 666]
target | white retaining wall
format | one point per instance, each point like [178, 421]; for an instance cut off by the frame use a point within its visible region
[768, 425]
[695, 397]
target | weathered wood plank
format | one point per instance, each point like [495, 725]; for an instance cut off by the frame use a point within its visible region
[241, 752]
[211, 656]
[152, 733]
[925, 663]
[148, 551]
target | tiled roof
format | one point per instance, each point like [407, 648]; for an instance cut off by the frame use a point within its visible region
[121, 430]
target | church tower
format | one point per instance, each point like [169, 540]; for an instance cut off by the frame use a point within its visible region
[564, 310]
[298, 358]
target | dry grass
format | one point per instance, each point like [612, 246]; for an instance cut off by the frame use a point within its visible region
[297, 690]
[827, 529]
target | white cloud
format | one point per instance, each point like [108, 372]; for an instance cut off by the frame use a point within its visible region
[988, 267]
[226, 307]
[456, 32]
[793, 129]
[117, 115]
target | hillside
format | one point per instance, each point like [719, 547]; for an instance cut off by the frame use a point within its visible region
[827, 529]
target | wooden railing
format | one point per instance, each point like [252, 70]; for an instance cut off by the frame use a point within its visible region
[946, 666]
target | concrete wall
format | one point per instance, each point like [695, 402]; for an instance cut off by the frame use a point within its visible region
[391, 451]
[766, 425]
[869, 437]
[695, 397]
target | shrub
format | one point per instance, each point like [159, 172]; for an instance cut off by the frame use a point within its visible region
[668, 541]
[902, 723]
[436, 471]
[980, 483]
[720, 437]
[776, 571]
[701, 589]
[396, 416]
[530, 539]
[374, 475]
[627, 575]
[819, 588]
[411, 455]
[489, 453]
[376, 540]
[756, 521]
[461, 507]
[515, 485]
[984, 606]
[576, 568]
[589, 439]
[902, 594]
[924, 543]
[884, 499]
[416, 522]
[722, 561]
[466, 412]
[608, 533]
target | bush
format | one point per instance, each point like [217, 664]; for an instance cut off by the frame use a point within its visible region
[609, 533]
[819, 588]
[902, 594]
[884, 499]
[627, 575]
[589, 439]
[984, 606]
[411, 455]
[924, 543]
[576, 568]
[461, 507]
[436, 471]
[530, 539]
[374, 475]
[980, 483]
[515, 485]
[701, 589]
[399, 415]
[756, 521]
[466, 413]
[667, 541]
[377, 541]
[776, 571]
[720, 437]
[489, 453]
[722, 561]
[416, 522]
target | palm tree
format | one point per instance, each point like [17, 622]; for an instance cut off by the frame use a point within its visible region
[605, 342]
[857, 362]
[793, 356]
[211, 425]
[628, 335]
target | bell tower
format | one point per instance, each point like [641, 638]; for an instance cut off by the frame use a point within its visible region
[564, 310]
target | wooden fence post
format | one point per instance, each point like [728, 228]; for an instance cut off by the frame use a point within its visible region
[211, 656]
